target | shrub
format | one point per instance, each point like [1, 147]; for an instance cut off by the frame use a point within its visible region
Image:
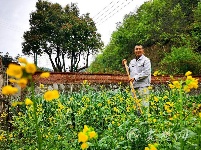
[181, 60]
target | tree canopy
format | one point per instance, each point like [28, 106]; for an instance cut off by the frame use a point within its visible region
[63, 34]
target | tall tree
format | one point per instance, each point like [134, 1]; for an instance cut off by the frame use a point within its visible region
[62, 34]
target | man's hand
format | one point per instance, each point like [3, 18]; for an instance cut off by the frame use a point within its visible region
[124, 61]
[131, 79]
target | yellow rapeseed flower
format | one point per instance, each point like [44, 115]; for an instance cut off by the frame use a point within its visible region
[92, 134]
[60, 106]
[82, 137]
[188, 73]
[146, 148]
[189, 78]
[50, 95]
[84, 146]
[177, 84]
[165, 97]
[86, 129]
[9, 90]
[30, 68]
[45, 75]
[14, 70]
[42, 86]
[171, 86]
[115, 109]
[171, 118]
[14, 104]
[156, 99]
[186, 89]
[28, 101]
[22, 82]
[22, 60]
[84, 82]
[12, 80]
[56, 94]
[152, 147]
[2, 137]
[156, 73]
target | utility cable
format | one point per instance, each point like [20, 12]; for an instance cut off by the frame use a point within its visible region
[103, 12]
[114, 12]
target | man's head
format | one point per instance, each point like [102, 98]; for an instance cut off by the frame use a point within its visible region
[138, 50]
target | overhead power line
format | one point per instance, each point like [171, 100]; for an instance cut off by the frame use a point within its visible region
[104, 10]
[113, 11]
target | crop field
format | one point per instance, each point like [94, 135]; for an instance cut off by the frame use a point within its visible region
[103, 119]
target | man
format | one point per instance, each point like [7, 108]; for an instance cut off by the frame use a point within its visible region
[140, 74]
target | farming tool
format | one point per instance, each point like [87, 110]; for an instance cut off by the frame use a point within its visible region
[131, 86]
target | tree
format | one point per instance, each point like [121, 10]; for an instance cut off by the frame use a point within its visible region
[7, 59]
[62, 32]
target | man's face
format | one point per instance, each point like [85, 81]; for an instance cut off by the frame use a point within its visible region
[138, 51]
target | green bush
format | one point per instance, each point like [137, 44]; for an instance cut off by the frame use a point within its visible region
[181, 60]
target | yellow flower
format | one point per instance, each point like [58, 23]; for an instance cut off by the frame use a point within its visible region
[177, 84]
[45, 75]
[155, 99]
[152, 147]
[150, 88]
[171, 118]
[28, 102]
[84, 146]
[1, 137]
[20, 103]
[14, 104]
[165, 97]
[85, 82]
[22, 82]
[30, 68]
[9, 90]
[56, 94]
[60, 106]
[82, 137]
[12, 80]
[92, 134]
[189, 78]
[188, 73]
[146, 148]
[99, 104]
[14, 70]
[169, 110]
[41, 86]
[22, 60]
[186, 89]
[86, 129]
[171, 86]
[115, 109]
[156, 73]
[200, 114]
[50, 95]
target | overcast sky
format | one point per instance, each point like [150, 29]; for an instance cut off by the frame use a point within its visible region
[15, 15]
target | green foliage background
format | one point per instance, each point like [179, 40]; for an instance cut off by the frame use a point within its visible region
[158, 25]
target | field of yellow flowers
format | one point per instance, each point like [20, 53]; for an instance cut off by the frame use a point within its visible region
[101, 119]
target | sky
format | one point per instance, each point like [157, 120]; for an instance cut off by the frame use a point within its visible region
[15, 15]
